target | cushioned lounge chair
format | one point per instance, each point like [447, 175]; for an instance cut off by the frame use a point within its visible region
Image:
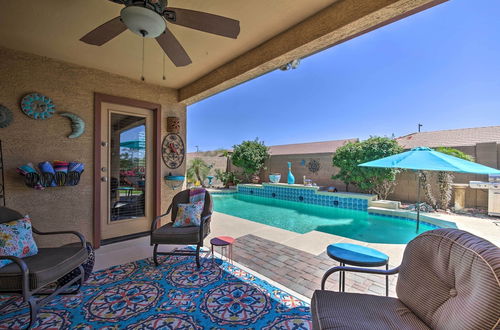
[30, 276]
[167, 234]
[448, 279]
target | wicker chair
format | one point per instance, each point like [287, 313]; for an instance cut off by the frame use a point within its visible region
[448, 279]
[167, 234]
[30, 276]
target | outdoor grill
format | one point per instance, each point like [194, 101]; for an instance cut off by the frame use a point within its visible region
[493, 186]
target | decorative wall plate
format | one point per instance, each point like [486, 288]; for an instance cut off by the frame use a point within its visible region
[37, 106]
[172, 150]
[5, 116]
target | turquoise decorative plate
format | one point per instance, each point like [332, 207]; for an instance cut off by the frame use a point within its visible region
[37, 106]
[5, 116]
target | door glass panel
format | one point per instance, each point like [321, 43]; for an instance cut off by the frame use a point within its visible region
[127, 167]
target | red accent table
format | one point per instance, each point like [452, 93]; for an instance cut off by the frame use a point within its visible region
[226, 245]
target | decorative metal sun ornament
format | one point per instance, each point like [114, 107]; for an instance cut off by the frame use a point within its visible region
[5, 116]
[37, 106]
[313, 166]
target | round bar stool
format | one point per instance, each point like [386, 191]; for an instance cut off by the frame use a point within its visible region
[357, 255]
[226, 245]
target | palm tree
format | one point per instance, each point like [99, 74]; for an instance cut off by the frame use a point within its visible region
[198, 170]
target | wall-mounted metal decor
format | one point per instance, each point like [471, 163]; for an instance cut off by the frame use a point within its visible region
[313, 166]
[77, 124]
[5, 116]
[55, 174]
[173, 124]
[37, 106]
[173, 150]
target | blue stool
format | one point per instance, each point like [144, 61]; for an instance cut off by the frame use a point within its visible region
[357, 255]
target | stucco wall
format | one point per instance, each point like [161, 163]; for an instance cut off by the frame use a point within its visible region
[72, 89]
[279, 164]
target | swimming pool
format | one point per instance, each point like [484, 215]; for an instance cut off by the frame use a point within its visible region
[303, 218]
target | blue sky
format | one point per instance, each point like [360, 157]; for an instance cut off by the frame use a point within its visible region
[440, 67]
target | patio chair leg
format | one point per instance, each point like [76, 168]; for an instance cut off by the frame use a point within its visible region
[33, 311]
[155, 254]
[198, 256]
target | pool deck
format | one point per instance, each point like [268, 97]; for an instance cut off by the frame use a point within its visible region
[290, 260]
[298, 261]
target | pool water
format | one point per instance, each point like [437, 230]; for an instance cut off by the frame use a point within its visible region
[303, 218]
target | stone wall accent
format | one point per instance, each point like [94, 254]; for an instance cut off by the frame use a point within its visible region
[71, 88]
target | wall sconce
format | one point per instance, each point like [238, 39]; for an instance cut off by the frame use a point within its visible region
[173, 124]
[174, 181]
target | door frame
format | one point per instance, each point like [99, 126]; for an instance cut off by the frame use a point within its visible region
[156, 108]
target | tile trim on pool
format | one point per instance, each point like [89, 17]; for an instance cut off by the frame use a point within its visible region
[412, 216]
[308, 195]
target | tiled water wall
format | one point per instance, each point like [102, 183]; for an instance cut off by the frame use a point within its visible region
[309, 195]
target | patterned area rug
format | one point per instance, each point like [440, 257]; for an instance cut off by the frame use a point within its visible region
[174, 295]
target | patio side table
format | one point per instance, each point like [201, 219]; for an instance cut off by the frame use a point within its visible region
[226, 244]
[357, 255]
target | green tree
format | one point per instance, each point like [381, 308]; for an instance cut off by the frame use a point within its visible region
[250, 156]
[380, 181]
[198, 170]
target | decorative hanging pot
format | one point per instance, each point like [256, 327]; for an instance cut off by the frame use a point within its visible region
[173, 124]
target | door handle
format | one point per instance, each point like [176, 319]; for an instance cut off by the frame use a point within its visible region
[104, 179]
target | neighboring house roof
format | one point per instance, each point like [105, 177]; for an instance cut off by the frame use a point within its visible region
[451, 138]
[308, 148]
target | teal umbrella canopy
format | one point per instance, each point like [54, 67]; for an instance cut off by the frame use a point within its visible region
[426, 159]
[137, 144]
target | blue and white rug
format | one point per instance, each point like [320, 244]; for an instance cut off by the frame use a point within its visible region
[175, 295]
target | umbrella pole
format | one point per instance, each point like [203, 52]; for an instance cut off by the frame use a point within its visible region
[418, 202]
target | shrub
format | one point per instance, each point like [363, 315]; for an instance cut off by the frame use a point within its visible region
[250, 156]
[445, 179]
[226, 178]
[380, 181]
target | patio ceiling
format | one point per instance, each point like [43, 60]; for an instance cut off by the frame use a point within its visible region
[272, 34]
[53, 28]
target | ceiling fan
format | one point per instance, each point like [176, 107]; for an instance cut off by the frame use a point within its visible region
[148, 19]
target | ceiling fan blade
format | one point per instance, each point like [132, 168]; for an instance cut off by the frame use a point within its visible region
[104, 33]
[215, 24]
[173, 48]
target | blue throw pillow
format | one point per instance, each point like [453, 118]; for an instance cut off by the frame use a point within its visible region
[188, 215]
[16, 239]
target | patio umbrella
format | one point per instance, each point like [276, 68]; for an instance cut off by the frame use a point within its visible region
[137, 144]
[426, 159]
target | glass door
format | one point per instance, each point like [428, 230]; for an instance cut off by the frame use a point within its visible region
[126, 171]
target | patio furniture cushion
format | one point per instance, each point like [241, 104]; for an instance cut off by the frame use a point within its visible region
[450, 279]
[197, 195]
[189, 215]
[339, 310]
[47, 266]
[167, 234]
[16, 239]
[184, 198]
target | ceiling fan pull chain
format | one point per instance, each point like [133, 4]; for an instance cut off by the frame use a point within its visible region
[142, 72]
[163, 54]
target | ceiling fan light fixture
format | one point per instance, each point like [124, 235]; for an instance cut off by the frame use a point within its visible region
[143, 21]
